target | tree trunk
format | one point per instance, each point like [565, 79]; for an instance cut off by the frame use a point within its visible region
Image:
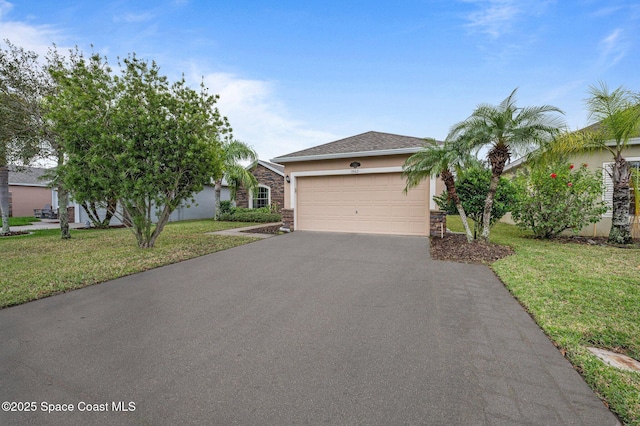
[63, 214]
[498, 157]
[218, 188]
[449, 182]
[488, 206]
[4, 198]
[620, 232]
[63, 201]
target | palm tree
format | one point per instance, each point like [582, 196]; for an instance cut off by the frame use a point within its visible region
[616, 119]
[233, 172]
[435, 160]
[505, 128]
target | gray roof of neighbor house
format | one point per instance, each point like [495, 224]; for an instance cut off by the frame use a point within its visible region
[27, 176]
[278, 168]
[365, 144]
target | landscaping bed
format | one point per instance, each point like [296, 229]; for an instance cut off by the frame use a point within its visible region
[454, 247]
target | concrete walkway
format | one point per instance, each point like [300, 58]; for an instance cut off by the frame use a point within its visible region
[45, 224]
[305, 328]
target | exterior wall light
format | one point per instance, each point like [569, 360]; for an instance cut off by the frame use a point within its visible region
[288, 179]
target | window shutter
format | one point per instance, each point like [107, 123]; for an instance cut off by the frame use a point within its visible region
[607, 196]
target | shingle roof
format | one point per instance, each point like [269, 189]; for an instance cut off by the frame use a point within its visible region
[278, 167]
[365, 142]
[27, 176]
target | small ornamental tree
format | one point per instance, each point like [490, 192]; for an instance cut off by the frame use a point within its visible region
[472, 185]
[558, 196]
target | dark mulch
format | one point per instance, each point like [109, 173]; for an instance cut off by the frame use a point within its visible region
[14, 233]
[454, 247]
[274, 229]
[594, 241]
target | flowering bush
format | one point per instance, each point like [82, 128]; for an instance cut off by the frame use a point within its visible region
[556, 197]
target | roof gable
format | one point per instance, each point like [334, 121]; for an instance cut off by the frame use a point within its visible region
[28, 176]
[372, 143]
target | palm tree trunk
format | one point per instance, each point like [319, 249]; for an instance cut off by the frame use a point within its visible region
[620, 232]
[218, 188]
[498, 156]
[4, 198]
[488, 206]
[449, 182]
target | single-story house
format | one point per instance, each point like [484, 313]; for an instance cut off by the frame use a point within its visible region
[598, 160]
[28, 191]
[204, 207]
[355, 185]
[270, 177]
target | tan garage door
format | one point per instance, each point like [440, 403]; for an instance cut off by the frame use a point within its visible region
[368, 203]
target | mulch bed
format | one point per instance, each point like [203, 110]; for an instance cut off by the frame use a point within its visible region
[454, 247]
[275, 229]
[14, 233]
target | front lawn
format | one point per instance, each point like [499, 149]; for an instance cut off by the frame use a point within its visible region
[580, 295]
[41, 264]
[19, 221]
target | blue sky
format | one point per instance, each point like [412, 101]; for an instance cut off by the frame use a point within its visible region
[294, 74]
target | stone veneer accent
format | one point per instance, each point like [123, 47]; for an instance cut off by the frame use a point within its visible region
[268, 178]
[287, 219]
[438, 223]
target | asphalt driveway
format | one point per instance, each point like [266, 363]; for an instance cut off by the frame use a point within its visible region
[305, 328]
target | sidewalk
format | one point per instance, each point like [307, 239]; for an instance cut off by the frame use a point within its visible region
[241, 232]
[45, 224]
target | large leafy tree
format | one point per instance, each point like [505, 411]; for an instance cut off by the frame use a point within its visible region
[503, 129]
[435, 160]
[616, 119]
[167, 145]
[234, 151]
[22, 83]
[137, 138]
[81, 113]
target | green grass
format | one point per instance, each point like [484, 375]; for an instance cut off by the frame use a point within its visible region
[19, 221]
[41, 264]
[580, 295]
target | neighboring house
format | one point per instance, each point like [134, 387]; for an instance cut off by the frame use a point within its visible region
[355, 185]
[204, 207]
[599, 160]
[28, 191]
[270, 191]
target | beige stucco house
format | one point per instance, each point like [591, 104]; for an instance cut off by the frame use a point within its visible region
[355, 185]
[28, 191]
[599, 160]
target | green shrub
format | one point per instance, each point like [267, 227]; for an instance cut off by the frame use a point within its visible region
[225, 206]
[250, 215]
[558, 196]
[472, 186]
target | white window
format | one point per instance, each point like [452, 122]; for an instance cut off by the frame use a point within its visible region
[260, 198]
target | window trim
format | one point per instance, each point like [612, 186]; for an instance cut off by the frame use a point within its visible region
[268, 188]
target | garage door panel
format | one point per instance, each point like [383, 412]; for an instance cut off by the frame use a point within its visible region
[329, 203]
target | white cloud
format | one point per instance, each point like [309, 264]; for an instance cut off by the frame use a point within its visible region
[612, 48]
[497, 17]
[132, 18]
[259, 118]
[494, 17]
[37, 38]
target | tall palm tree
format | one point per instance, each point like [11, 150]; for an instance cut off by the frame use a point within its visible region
[616, 119]
[505, 128]
[435, 160]
[233, 172]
